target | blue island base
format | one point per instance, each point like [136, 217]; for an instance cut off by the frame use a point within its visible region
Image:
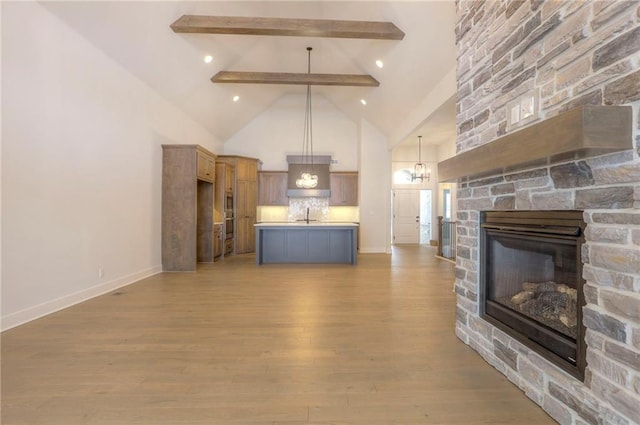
[306, 243]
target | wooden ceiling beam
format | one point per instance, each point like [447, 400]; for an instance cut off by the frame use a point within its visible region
[357, 80]
[287, 27]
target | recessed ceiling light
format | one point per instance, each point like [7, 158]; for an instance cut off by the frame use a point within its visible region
[208, 59]
[379, 63]
[236, 98]
[364, 102]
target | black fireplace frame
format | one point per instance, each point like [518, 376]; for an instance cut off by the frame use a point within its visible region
[535, 224]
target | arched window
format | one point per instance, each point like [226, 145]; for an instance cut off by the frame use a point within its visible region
[403, 176]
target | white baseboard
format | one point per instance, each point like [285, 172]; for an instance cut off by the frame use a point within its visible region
[28, 314]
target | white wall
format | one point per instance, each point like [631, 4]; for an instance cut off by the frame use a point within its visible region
[81, 167]
[409, 153]
[278, 132]
[375, 190]
[447, 150]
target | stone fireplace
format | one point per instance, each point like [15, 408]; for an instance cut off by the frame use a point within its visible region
[572, 54]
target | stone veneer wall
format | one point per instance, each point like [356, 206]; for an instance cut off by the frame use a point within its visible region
[574, 53]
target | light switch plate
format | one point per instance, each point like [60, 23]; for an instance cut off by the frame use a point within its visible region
[522, 110]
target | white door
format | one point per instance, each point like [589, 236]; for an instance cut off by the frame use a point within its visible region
[406, 216]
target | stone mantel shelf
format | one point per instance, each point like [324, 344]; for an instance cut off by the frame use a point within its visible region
[583, 132]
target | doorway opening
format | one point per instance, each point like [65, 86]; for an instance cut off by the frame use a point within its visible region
[425, 216]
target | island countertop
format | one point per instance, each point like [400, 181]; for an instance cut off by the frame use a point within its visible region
[303, 223]
[302, 242]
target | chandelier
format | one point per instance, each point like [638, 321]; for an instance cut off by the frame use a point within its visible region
[420, 171]
[307, 180]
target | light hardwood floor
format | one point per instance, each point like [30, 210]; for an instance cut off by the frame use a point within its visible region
[235, 343]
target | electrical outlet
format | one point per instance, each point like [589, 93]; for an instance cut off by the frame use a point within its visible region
[100, 272]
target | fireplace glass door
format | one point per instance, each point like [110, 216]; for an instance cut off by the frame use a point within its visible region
[532, 283]
[535, 277]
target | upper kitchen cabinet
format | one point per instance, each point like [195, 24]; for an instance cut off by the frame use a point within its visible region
[245, 200]
[187, 206]
[272, 188]
[344, 189]
[206, 166]
[247, 169]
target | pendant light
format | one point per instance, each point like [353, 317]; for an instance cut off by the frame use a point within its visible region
[420, 171]
[307, 180]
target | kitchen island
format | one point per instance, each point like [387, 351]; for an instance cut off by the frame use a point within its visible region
[306, 242]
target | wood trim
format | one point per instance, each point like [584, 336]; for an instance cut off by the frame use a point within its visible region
[287, 27]
[583, 132]
[358, 80]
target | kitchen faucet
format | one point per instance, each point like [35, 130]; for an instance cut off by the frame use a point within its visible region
[306, 219]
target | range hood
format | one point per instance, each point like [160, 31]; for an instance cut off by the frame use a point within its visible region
[297, 165]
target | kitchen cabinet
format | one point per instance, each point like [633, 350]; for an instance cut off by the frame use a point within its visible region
[307, 243]
[246, 193]
[206, 166]
[228, 246]
[229, 178]
[245, 200]
[187, 207]
[225, 177]
[344, 189]
[247, 169]
[272, 188]
[218, 240]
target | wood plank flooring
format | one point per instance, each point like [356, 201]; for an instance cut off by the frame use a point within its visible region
[234, 343]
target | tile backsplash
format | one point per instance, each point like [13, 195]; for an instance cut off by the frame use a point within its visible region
[319, 209]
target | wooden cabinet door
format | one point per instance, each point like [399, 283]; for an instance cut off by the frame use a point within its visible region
[245, 238]
[246, 198]
[344, 189]
[272, 188]
[251, 204]
[241, 235]
[247, 169]
[206, 167]
[217, 240]
[228, 178]
[224, 177]
[241, 199]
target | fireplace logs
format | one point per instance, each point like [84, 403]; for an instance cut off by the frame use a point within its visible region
[550, 303]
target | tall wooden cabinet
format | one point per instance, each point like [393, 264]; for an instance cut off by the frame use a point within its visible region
[245, 200]
[188, 177]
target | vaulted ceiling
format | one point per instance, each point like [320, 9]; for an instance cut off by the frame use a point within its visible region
[138, 36]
